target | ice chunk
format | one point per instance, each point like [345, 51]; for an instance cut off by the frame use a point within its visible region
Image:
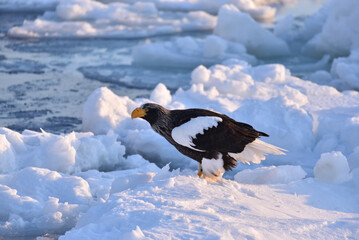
[190, 52]
[271, 175]
[65, 153]
[27, 5]
[233, 25]
[161, 95]
[258, 10]
[340, 17]
[345, 71]
[332, 168]
[103, 110]
[37, 201]
[88, 18]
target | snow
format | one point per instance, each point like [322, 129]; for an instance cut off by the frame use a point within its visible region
[233, 25]
[180, 205]
[185, 133]
[88, 18]
[118, 179]
[332, 168]
[271, 175]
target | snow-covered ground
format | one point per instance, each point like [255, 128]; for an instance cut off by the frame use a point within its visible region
[115, 178]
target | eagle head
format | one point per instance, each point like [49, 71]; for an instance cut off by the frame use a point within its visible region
[151, 112]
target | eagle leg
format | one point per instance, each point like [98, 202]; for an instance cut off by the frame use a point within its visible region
[200, 170]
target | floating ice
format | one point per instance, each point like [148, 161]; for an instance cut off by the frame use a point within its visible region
[27, 5]
[36, 201]
[190, 52]
[88, 18]
[233, 25]
[257, 10]
[271, 175]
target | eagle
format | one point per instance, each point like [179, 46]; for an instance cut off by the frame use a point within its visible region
[216, 141]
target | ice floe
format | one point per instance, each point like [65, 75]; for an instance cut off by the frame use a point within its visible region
[258, 10]
[88, 18]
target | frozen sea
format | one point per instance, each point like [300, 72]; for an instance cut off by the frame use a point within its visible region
[74, 165]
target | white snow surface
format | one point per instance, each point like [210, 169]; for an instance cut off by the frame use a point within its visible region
[271, 175]
[185, 133]
[88, 18]
[179, 205]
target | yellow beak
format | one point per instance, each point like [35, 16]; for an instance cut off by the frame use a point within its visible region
[138, 112]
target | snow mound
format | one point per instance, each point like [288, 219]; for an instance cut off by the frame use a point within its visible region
[339, 17]
[233, 25]
[271, 175]
[257, 10]
[190, 52]
[36, 201]
[180, 205]
[69, 153]
[88, 18]
[332, 168]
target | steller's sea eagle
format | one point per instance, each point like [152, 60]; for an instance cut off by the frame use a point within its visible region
[214, 140]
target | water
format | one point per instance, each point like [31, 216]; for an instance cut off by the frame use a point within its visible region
[44, 83]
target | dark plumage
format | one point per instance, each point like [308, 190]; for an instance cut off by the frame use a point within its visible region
[202, 134]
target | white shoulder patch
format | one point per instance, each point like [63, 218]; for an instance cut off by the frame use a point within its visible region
[184, 133]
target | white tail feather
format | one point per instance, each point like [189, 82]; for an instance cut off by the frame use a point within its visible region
[256, 151]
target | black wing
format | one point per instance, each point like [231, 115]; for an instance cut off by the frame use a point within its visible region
[228, 136]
